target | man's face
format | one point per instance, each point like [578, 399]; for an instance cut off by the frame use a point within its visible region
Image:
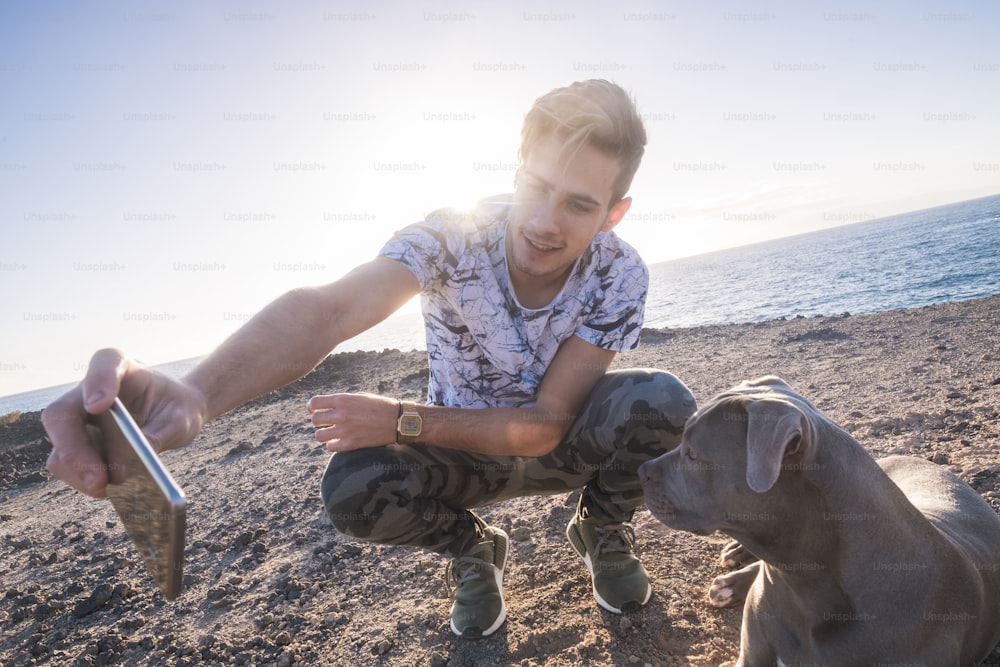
[560, 205]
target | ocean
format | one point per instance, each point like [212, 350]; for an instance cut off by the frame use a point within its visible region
[937, 255]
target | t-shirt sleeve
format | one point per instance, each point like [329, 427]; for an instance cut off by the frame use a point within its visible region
[619, 305]
[426, 249]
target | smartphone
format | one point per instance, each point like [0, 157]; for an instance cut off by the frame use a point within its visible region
[146, 498]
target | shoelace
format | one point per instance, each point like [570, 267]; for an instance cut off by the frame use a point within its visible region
[467, 568]
[615, 538]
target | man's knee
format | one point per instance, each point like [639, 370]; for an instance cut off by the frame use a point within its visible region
[679, 403]
[351, 486]
[655, 395]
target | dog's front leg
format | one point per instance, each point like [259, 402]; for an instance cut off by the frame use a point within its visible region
[755, 651]
[730, 590]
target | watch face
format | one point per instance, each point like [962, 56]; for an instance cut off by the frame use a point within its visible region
[409, 425]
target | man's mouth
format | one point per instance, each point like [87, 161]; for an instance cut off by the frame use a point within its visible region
[539, 246]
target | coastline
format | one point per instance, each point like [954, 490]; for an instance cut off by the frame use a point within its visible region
[268, 580]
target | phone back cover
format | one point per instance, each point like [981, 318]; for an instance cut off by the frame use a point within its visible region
[153, 516]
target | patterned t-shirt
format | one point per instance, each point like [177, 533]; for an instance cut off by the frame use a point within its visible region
[484, 348]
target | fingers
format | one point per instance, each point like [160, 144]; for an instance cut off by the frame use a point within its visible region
[324, 402]
[352, 421]
[169, 413]
[103, 380]
[73, 459]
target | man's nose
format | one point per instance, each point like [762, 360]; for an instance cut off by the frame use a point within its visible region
[544, 218]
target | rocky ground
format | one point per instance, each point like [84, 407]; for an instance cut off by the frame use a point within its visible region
[268, 582]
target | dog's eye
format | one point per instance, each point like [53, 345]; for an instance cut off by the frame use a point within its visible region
[689, 453]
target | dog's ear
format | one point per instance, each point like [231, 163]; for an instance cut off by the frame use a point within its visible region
[775, 428]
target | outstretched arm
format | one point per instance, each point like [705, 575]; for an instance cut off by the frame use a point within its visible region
[283, 342]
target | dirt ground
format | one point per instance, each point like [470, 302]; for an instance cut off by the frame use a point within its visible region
[269, 582]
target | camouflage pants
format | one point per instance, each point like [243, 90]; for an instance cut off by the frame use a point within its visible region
[421, 495]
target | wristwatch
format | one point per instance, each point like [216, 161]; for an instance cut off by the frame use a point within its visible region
[409, 424]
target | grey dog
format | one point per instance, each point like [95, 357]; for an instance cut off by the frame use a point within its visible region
[861, 562]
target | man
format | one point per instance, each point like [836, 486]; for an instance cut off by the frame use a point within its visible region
[526, 300]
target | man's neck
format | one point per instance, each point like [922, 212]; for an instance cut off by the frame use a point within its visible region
[535, 292]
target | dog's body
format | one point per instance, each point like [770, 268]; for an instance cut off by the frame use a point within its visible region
[860, 562]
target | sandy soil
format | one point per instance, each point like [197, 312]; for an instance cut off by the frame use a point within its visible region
[268, 582]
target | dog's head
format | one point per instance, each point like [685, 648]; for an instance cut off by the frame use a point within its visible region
[732, 455]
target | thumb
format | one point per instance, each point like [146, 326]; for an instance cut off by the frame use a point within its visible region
[103, 380]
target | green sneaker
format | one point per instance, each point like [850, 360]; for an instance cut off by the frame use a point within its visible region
[477, 576]
[620, 581]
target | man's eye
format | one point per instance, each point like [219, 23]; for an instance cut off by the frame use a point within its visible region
[581, 207]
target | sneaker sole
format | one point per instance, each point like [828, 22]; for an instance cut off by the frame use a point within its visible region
[474, 633]
[580, 548]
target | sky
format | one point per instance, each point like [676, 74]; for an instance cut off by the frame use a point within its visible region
[168, 168]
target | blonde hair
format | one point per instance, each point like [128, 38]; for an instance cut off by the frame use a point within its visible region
[593, 112]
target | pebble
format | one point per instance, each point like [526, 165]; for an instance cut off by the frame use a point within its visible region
[521, 534]
[100, 597]
[216, 593]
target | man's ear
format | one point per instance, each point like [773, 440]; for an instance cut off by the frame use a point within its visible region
[775, 429]
[616, 214]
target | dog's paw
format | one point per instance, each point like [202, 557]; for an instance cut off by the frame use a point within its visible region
[735, 555]
[721, 594]
[730, 590]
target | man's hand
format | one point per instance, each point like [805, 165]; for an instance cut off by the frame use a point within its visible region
[169, 412]
[354, 421]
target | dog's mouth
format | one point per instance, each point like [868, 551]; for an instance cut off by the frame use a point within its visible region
[661, 508]
[668, 514]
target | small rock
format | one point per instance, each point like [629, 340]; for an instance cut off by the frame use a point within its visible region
[243, 539]
[336, 619]
[99, 598]
[242, 447]
[217, 593]
[283, 638]
[383, 647]
[521, 534]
